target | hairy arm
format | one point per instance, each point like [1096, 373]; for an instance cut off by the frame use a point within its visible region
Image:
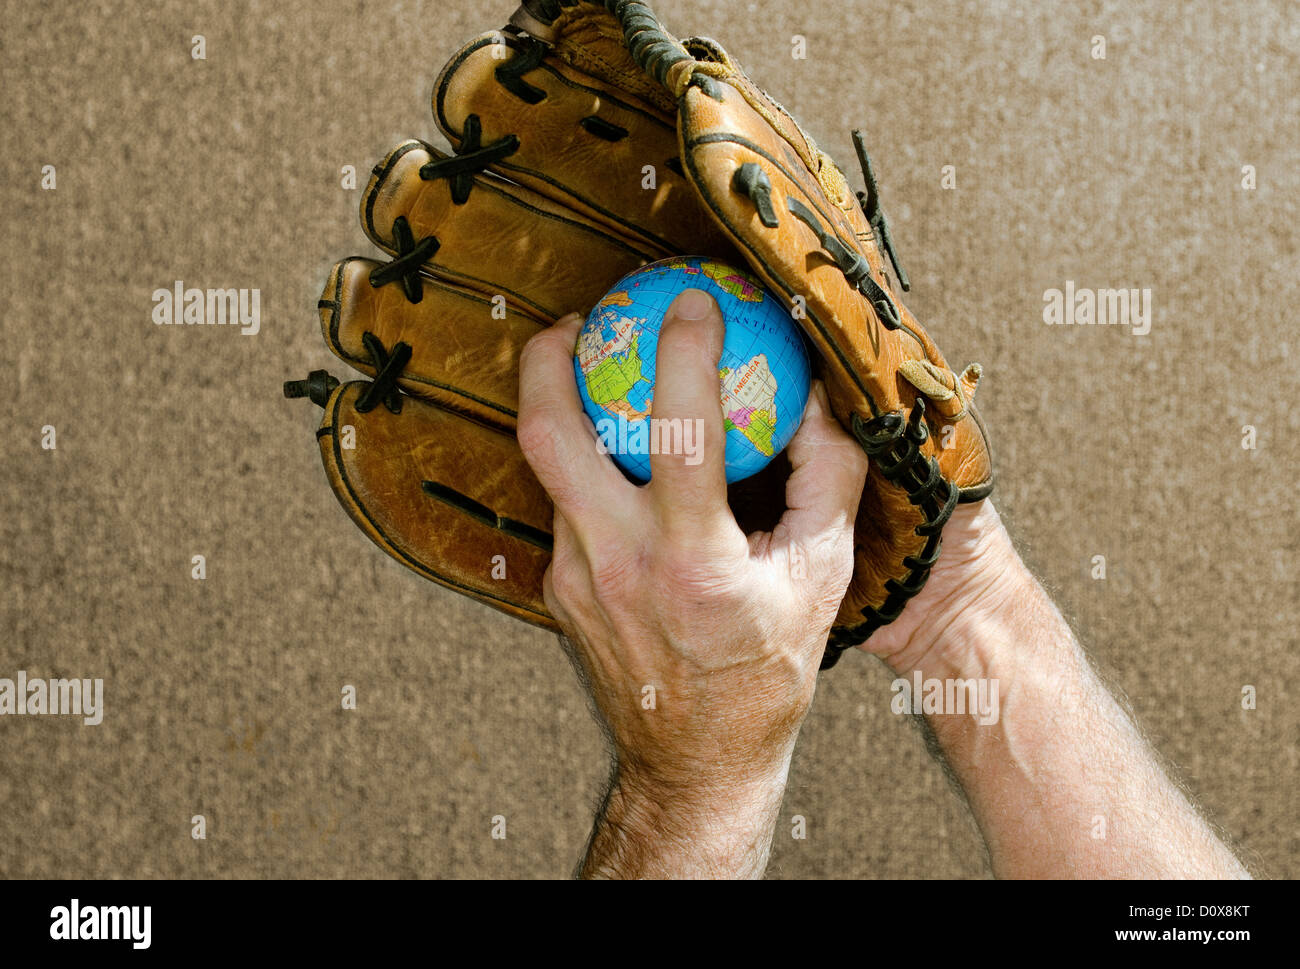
[1063, 784]
[650, 833]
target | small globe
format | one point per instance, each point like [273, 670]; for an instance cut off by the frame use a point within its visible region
[764, 369]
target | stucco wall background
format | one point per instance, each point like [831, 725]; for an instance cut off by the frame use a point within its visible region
[222, 695]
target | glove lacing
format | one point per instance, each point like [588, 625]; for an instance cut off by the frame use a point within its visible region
[895, 446]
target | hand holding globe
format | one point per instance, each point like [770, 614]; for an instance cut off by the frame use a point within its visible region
[764, 373]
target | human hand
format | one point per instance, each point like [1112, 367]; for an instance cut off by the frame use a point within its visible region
[700, 645]
[976, 581]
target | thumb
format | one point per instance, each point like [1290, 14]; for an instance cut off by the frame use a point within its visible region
[829, 471]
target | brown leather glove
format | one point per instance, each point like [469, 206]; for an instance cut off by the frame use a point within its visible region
[589, 141]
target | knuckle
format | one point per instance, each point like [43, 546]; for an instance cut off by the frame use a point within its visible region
[567, 585]
[528, 358]
[840, 567]
[536, 432]
[539, 441]
[840, 447]
[617, 576]
[822, 566]
[835, 565]
[693, 574]
[549, 347]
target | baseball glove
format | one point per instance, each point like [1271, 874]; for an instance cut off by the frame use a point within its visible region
[587, 142]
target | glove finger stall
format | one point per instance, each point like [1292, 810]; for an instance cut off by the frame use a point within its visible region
[500, 240]
[464, 348]
[448, 498]
[599, 148]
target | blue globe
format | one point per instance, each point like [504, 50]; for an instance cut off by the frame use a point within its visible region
[764, 371]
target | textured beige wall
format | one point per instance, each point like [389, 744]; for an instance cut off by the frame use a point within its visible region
[222, 696]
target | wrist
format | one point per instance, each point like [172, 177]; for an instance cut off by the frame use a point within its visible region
[708, 796]
[716, 827]
[998, 636]
[952, 627]
[970, 634]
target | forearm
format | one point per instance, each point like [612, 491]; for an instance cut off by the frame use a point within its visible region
[1063, 784]
[710, 831]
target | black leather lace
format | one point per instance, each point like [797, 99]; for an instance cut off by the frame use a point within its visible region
[870, 204]
[405, 266]
[894, 445]
[388, 369]
[529, 52]
[851, 263]
[471, 157]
